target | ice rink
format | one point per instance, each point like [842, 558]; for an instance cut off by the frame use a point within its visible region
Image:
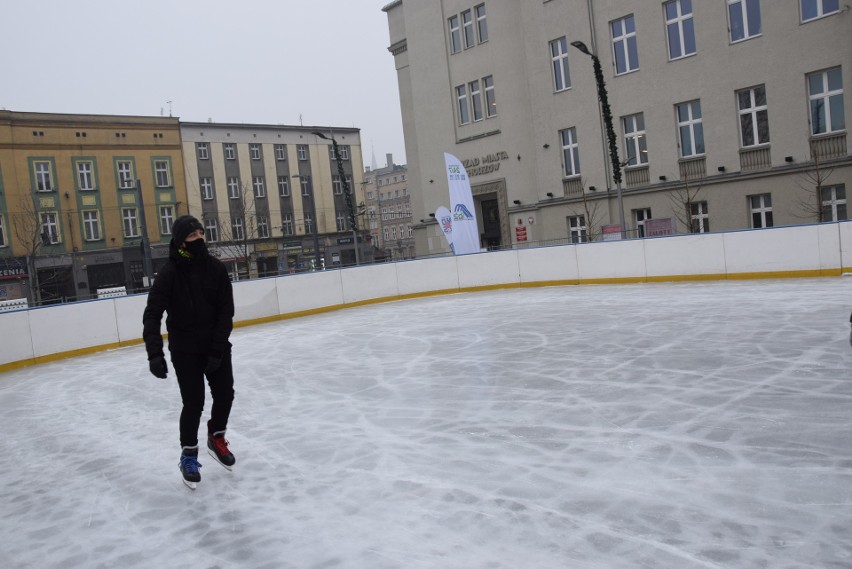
[664, 426]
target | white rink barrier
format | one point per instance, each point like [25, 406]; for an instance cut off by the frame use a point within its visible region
[36, 335]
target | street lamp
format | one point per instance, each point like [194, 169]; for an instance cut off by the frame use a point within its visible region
[314, 220]
[610, 132]
[346, 192]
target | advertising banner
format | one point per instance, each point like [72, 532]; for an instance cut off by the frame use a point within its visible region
[445, 220]
[465, 229]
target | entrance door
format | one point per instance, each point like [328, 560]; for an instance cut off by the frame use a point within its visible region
[491, 223]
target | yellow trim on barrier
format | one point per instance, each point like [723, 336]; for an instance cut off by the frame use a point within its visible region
[410, 296]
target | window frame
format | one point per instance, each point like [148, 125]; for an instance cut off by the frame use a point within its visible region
[559, 65]
[233, 187]
[125, 182]
[699, 214]
[490, 96]
[258, 184]
[280, 152]
[833, 202]
[203, 150]
[130, 222]
[468, 32]
[826, 96]
[283, 187]
[91, 220]
[230, 150]
[645, 213]
[167, 219]
[763, 209]
[205, 185]
[84, 175]
[49, 222]
[692, 124]
[454, 34]
[43, 178]
[162, 173]
[753, 113]
[211, 229]
[820, 9]
[625, 40]
[286, 223]
[740, 9]
[481, 22]
[635, 139]
[262, 227]
[462, 108]
[570, 152]
[254, 151]
[475, 101]
[578, 231]
[681, 21]
[238, 229]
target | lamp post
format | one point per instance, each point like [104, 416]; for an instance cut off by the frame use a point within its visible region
[314, 226]
[147, 264]
[606, 112]
[350, 209]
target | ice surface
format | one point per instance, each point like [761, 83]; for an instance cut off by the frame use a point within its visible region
[681, 426]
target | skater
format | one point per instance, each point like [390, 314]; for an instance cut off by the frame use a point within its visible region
[195, 290]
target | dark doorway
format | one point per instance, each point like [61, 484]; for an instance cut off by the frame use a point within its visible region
[56, 285]
[491, 224]
[105, 276]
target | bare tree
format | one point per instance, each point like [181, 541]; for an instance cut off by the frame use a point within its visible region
[589, 210]
[238, 228]
[812, 183]
[30, 233]
[682, 200]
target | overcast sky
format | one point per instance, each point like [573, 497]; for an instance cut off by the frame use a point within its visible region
[324, 62]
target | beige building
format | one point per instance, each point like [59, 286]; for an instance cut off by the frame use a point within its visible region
[71, 215]
[271, 197]
[388, 212]
[725, 114]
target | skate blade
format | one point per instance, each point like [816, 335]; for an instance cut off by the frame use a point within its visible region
[191, 485]
[216, 458]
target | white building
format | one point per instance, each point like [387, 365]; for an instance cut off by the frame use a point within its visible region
[726, 114]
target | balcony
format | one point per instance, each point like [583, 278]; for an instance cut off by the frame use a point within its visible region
[755, 158]
[692, 168]
[828, 147]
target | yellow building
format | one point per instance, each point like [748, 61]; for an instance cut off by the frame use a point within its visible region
[70, 215]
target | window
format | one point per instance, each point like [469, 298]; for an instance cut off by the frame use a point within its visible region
[49, 228]
[761, 210]
[238, 231]
[635, 143]
[699, 218]
[624, 45]
[233, 187]
[570, 152]
[161, 173]
[125, 174]
[481, 23]
[336, 185]
[254, 151]
[743, 19]
[467, 25]
[259, 186]
[833, 203]
[690, 129]
[577, 229]
[475, 102]
[754, 118]
[280, 152]
[387, 233]
[91, 225]
[203, 150]
[44, 178]
[559, 59]
[85, 180]
[461, 97]
[490, 100]
[130, 221]
[3, 242]
[309, 223]
[641, 216]
[211, 230]
[287, 224]
[303, 152]
[167, 218]
[304, 183]
[384, 214]
[341, 222]
[262, 227]
[283, 186]
[410, 231]
[455, 34]
[679, 28]
[812, 9]
[344, 152]
[206, 188]
[230, 151]
[825, 91]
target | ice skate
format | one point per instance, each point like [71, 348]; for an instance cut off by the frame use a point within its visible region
[190, 467]
[217, 446]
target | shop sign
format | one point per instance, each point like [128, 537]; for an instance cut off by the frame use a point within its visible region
[13, 268]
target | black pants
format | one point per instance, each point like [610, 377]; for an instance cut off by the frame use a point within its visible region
[190, 376]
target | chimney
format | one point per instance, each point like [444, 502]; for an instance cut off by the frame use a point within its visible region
[389, 158]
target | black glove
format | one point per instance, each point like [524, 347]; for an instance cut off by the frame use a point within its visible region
[158, 366]
[213, 363]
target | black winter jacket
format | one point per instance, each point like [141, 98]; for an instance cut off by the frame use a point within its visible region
[196, 293]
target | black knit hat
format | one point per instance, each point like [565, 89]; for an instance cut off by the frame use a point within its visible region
[183, 226]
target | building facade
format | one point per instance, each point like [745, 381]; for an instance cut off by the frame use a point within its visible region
[271, 197]
[723, 115]
[75, 193]
[388, 211]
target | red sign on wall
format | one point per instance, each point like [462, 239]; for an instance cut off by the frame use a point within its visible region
[521, 233]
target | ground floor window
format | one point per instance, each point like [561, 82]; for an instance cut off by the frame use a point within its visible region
[640, 216]
[761, 210]
[699, 217]
[577, 229]
[833, 203]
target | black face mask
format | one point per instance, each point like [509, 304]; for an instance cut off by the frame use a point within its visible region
[196, 248]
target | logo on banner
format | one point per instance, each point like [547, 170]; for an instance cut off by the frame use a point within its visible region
[447, 224]
[454, 172]
[462, 213]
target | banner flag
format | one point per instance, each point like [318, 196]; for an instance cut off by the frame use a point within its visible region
[445, 220]
[465, 229]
